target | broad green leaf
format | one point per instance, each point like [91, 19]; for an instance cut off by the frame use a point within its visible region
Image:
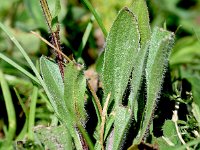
[54, 138]
[74, 91]
[169, 131]
[120, 52]
[121, 125]
[140, 10]
[159, 51]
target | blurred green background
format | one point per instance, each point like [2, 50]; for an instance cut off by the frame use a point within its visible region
[22, 16]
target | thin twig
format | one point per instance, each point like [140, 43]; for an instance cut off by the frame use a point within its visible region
[48, 43]
[174, 119]
[96, 99]
[103, 120]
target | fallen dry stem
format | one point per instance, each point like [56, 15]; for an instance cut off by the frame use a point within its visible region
[48, 43]
[96, 99]
[103, 120]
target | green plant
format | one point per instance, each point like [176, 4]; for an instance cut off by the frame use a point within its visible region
[132, 70]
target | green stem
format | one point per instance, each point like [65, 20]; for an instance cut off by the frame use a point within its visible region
[31, 122]
[97, 17]
[10, 109]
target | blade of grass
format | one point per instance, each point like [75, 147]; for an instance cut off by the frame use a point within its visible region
[21, 103]
[85, 37]
[25, 127]
[97, 17]
[10, 109]
[30, 63]
[14, 64]
[31, 122]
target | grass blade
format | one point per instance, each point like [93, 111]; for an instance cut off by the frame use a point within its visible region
[31, 117]
[10, 110]
[97, 17]
[85, 37]
[11, 62]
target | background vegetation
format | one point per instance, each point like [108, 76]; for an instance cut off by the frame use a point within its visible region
[22, 16]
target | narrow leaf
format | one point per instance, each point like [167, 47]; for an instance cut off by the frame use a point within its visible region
[159, 51]
[74, 90]
[122, 45]
[9, 108]
[137, 78]
[31, 117]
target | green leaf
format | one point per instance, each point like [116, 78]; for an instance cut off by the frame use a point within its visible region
[35, 12]
[159, 51]
[169, 131]
[14, 64]
[53, 80]
[54, 138]
[74, 91]
[137, 78]
[140, 10]
[57, 9]
[121, 125]
[119, 57]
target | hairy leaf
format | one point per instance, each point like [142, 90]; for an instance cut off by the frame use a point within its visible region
[122, 46]
[140, 10]
[121, 125]
[54, 138]
[53, 80]
[75, 86]
[159, 51]
[137, 78]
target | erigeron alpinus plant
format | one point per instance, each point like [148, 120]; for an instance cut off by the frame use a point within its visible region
[133, 55]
